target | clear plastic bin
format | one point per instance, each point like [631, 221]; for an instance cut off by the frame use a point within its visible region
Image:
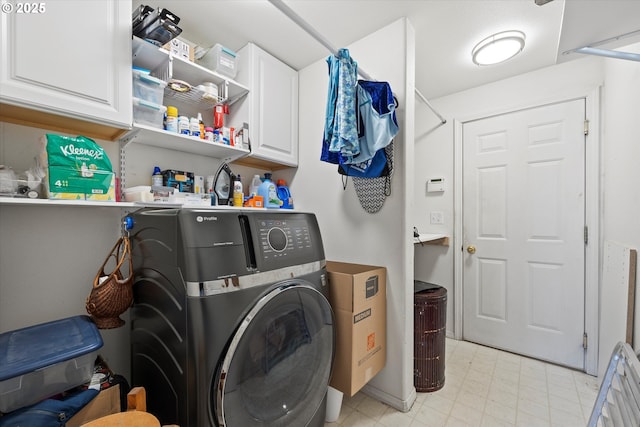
[221, 60]
[147, 87]
[148, 113]
[140, 193]
[46, 359]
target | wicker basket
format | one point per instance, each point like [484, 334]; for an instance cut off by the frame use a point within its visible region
[429, 320]
[112, 293]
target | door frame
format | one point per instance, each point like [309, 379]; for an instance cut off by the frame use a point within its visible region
[592, 216]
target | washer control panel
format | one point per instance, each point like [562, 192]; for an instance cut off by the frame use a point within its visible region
[286, 237]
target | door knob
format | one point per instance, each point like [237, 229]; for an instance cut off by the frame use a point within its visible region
[471, 249]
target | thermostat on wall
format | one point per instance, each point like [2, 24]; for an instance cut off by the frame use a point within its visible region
[435, 185]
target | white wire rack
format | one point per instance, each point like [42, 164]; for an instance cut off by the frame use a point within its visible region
[618, 401]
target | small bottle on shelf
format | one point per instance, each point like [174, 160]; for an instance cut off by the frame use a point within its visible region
[255, 184]
[156, 178]
[201, 126]
[183, 125]
[171, 123]
[238, 193]
[194, 127]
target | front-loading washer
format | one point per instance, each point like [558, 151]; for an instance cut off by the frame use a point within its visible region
[230, 324]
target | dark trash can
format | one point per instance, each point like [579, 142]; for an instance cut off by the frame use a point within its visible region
[429, 320]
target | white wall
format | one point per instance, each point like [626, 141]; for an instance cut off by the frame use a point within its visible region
[620, 199]
[349, 233]
[621, 151]
[49, 255]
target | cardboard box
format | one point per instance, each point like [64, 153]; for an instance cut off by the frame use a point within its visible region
[357, 294]
[107, 402]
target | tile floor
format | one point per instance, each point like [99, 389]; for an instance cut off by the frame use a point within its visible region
[485, 387]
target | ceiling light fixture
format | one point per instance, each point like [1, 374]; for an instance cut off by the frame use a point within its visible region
[498, 48]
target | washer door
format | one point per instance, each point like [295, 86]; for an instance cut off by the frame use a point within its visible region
[277, 368]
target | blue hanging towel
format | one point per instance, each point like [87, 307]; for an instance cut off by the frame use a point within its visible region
[378, 125]
[340, 129]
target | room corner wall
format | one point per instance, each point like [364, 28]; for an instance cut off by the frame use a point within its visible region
[621, 151]
[349, 233]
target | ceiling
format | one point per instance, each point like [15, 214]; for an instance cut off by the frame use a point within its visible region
[445, 30]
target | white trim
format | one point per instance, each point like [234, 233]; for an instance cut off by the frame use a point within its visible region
[458, 234]
[592, 216]
[593, 212]
[384, 397]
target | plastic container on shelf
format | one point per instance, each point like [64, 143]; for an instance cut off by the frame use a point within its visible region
[284, 194]
[148, 113]
[255, 184]
[156, 177]
[238, 192]
[222, 60]
[194, 127]
[208, 133]
[139, 193]
[171, 122]
[269, 193]
[201, 126]
[183, 125]
[46, 359]
[147, 87]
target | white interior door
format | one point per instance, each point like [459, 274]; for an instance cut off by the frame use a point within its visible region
[523, 225]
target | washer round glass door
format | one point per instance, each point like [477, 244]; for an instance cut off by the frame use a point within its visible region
[277, 368]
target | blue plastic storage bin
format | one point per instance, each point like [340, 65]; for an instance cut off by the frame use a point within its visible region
[43, 360]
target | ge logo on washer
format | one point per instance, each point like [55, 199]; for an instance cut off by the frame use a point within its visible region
[206, 218]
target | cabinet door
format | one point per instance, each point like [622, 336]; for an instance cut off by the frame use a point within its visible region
[274, 109]
[72, 58]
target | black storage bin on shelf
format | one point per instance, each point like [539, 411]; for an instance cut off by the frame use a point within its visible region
[429, 320]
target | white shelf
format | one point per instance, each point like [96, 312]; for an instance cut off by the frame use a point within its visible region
[432, 239]
[166, 66]
[50, 202]
[147, 135]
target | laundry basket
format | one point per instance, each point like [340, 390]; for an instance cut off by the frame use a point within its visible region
[430, 318]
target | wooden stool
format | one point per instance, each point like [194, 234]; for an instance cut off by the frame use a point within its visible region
[128, 419]
[136, 415]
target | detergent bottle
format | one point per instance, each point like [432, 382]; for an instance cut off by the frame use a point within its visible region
[269, 193]
[284, 194]
[255, 184]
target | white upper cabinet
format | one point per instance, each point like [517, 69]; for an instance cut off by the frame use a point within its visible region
[68, 58]
[271, 107]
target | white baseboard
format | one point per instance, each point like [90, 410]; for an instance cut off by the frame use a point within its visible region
[393, 401]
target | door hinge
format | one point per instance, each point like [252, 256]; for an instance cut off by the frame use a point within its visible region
[586, 234]
[584, 341]
[586, 127]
